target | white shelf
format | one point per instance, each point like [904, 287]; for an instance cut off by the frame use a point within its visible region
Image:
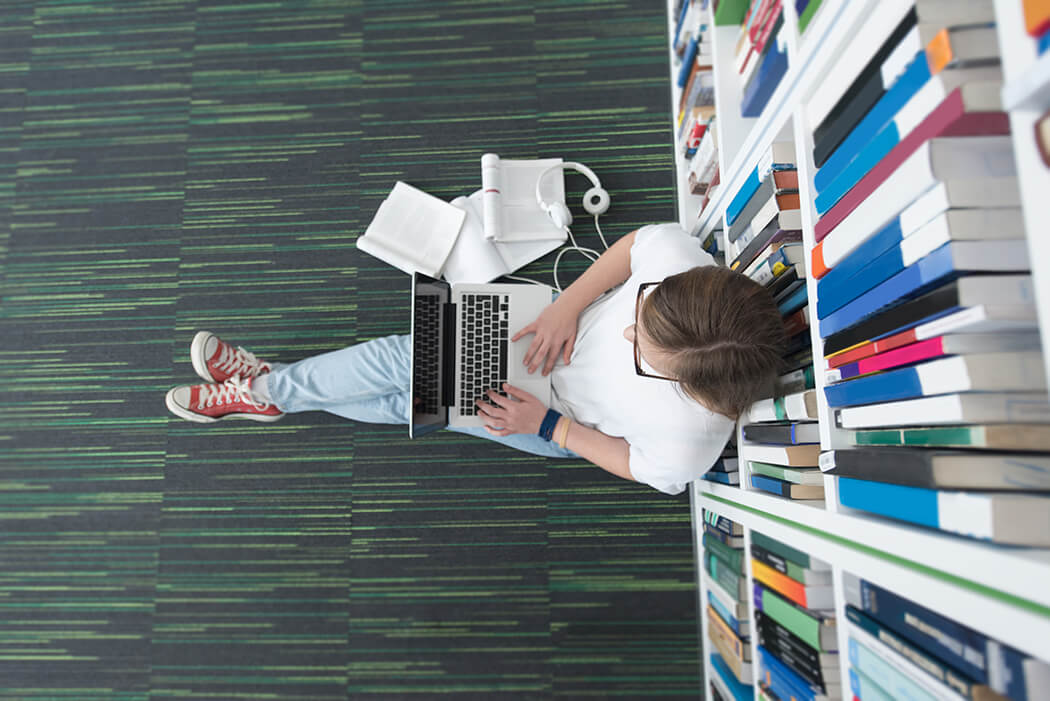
[1031, 89]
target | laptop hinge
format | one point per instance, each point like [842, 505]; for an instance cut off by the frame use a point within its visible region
[448, 354]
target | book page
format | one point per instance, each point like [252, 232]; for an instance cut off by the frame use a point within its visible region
[473, 258]
[523, 220]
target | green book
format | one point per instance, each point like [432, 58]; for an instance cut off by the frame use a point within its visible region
[730, 11]
[1013, 437]
[788, 553]
[724, 575]
[813, 629]
[796, 475]
[807, 15]
[734, 557]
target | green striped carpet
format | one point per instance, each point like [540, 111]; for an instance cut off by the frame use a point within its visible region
[174, 165]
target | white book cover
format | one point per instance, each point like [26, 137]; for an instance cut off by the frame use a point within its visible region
[988, 256]
[939, 199]
[1001, 372]
[963, 163]
[946, 409]
[796, 406]
[510, 211]
[793, 455]
[475, 259]
[1017, 519]
[412, 231]
[983, 318]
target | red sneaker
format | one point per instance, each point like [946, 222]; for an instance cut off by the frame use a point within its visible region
[217, 361]
[230, 400]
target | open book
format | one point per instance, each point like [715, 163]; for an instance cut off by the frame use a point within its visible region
[413, 231]
[509, 210]
[476, 259]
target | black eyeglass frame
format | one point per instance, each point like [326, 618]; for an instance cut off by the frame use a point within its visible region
[637, 353]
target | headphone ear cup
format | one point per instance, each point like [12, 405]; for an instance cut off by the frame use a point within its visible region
[560, 215]
[596, 201]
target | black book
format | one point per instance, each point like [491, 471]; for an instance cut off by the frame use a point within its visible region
[942, 469]
[790, 433]
[792, 651]
[784, 281]
[797, 361]
[769, 558]
[758, 244]
[798, 342]
[766, 190]
[903, 316]
[859, 98]
[788, 291]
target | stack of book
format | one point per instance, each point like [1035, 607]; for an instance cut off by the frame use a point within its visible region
[763, 215]
[728, 627]
[795, 622]
[901, 650]
[696, 102]
[924, 299]
[1037, 23]
[726, 469]
[703, 165]
[783, 458]
[760, 56]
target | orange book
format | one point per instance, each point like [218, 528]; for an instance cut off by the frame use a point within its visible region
[810, 597]
[1036, 16]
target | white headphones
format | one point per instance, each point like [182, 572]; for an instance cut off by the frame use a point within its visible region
[595, 200]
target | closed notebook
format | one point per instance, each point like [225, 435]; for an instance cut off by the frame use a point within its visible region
[941, 469]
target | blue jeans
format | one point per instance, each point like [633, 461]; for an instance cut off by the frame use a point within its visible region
[369, 382]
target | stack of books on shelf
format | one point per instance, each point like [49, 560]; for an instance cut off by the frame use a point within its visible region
[795, 623]
[726, 469]
[1037, 23]
[728, 627]
[760, 54]
[763, 216]
[696, 101]
[901, 650]
[924, 297]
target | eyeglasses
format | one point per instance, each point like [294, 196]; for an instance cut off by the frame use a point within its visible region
[637, 353]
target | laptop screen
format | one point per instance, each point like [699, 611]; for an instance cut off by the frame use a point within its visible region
[430, 322]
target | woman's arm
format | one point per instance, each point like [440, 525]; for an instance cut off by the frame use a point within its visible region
[555, 328]
[611, 454]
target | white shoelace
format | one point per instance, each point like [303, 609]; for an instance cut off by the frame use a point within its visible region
[236, 360]
[229, 392]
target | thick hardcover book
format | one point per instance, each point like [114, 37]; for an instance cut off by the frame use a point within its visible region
[814, 628]
[965, 649]
[811, 665]
[787, 489]
[793, 274]
[976, 109]
[723, 573]
[787, 683]
[1010, 519]
[733, 541]
[799, 406]
[858, 96]
[788, 553]
[793, 303]
[734, 557]
[948, 262]
[1026, 437]
[967, 166]
[790, 568]
[814, 596]
[730, 478]
[791, 433]
[933, 348]
[917, 656]
[980, 372]
[737, 607]
[970, 291]
[949, 409]
[997, 255]
[796, 381]
[795, 475]
[740, 647]
[941, 469]
[802, 455]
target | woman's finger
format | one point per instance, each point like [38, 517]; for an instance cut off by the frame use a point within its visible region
[539, 358]
[519, 394]
[531, 328]
[498, 399]
[569, 345]
[534, 347]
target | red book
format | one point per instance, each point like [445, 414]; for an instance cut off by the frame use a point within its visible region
[870, 348]
[950, 118]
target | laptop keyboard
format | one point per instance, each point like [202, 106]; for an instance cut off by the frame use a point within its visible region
[427, 343]
[485, 342]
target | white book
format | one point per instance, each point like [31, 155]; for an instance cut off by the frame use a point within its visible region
[474, 259]
[962, 163]
[735, 606]
[510, 211]
[989, 256]
[903, 678]
[412, 231]
[999, 225]
[982, 318]
[797, 406]
[787, 220]
[1018, 519]
[878, 26]
[946, 409]
[940, 198]
[806, 455]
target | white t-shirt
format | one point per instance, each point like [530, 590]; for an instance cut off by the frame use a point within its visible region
[673, 439]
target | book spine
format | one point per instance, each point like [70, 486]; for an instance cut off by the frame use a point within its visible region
[739, 649]
[785, 551]
[784, 585]
[726, 615]
[785, 645]
[789, 678]
[723, 574]
[769, 559]
[891, 679]
[790, 616]
[734, 557]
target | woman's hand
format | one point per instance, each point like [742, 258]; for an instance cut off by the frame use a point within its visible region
[555, 330]
[518, 413]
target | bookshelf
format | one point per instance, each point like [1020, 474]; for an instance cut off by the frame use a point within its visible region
[998, 591]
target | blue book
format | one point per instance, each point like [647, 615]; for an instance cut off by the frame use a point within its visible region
[764, 81]
[785, 678]
[687, 61]
[681, 20]
[889, 236]
[864, 688]
[743, 196]
[740, 692]
[868, 158]
[965, 649]
[729, 618]
[795, 301]
[937, 268]
[731, 478]
[871, 663]
[902, 90]
[1044, 43]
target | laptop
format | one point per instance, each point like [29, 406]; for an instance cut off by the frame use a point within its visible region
[461, 348]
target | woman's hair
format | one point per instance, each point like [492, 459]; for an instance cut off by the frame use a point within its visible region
[723, 334]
